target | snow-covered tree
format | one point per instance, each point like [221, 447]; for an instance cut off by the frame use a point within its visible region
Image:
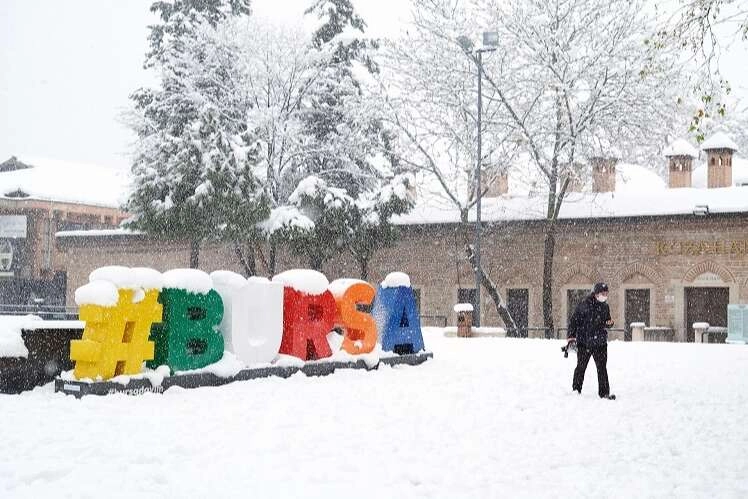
[705, 28]
[178, 18]
[370, 226]
[314, 118]
[571, 79]
[194, 163]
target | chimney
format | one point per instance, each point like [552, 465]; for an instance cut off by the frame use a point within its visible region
[680, 155]
[719, 148]
[603, 174]
[575, 173]
[499, 186]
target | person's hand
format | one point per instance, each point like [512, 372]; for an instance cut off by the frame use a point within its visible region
[569, 341]
[609, 323]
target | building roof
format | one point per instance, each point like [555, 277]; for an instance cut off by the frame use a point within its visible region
[589, 206]
[62, 181]
[719, 140]
[640, 192]
[681, 147]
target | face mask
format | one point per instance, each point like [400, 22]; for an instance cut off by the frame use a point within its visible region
[601, 298]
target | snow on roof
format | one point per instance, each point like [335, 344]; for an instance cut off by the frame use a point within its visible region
[588, 205]
[636, 178]
[719, 140]
[63, 181]
[97, 233]
[681, 147]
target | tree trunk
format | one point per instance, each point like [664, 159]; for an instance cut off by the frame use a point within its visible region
[548, 253]
[315, 262]
[194, 253]
[272, 258]
[493, 292]
[248, 261]
[363, 264]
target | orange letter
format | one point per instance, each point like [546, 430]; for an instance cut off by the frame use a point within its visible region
[360, 328]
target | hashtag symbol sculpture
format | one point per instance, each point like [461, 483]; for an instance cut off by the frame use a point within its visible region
[115, 339]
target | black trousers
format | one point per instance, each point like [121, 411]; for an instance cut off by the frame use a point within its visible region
[600, 355]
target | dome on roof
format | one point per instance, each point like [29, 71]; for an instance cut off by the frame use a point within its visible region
[681, 147]
[636, 178]
[719, 140]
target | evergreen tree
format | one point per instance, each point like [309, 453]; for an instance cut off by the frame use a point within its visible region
[178, 18]
[194, 165]
[370, 227]
[348, 162]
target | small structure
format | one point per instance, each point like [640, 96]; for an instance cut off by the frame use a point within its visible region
[719, 149]
[464, 319]
[737, 324]
[680, 155]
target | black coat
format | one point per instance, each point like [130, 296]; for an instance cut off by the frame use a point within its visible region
[587, 323]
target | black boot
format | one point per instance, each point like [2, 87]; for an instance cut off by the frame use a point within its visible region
[610, 396]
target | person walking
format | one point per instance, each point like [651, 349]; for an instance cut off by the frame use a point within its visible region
[587, 328]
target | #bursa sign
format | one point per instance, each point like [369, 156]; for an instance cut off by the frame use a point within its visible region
[186, 319]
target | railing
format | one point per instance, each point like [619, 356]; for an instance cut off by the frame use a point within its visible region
[442, 319]
[560, 332]
[715, 334]
[48, 312]
[654, 333]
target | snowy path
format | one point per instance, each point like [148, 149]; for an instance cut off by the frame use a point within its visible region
[486, 418]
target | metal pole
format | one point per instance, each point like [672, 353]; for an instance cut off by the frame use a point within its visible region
[479, 189]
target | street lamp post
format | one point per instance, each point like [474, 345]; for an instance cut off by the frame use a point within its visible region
[490, 42]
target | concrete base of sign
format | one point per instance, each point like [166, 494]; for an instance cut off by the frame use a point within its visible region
[313, 368]
[48, 344]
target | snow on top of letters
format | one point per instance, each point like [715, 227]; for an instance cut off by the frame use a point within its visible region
[191, 280]
[11, 341]
[97, 292]
[227, 278]
[258, 279]
[148, 278]
[304, 280]
[396, 279]
[121, 277]
[463, 307]
[338, 287]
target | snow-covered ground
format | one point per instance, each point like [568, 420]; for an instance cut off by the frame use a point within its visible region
[488, 417]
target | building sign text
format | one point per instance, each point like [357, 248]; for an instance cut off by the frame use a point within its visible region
[696, 248]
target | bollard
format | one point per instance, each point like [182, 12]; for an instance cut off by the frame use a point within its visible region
[699, 328]
[637, 331]
[464, 320]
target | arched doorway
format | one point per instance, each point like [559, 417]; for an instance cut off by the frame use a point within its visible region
[706, 296]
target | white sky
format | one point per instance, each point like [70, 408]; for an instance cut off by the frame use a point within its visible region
[67, 68]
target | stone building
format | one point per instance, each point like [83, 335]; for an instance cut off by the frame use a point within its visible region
[673, 252]
[37, 199]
